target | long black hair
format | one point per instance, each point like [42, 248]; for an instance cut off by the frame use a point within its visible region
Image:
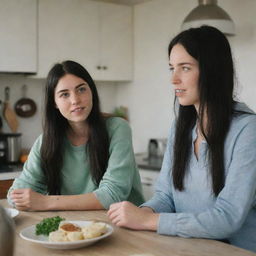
[211, 49]
[55, 127]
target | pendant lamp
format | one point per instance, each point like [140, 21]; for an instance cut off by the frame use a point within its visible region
[209, 13]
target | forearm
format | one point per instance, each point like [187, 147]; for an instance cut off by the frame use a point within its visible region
[125, 214]
[73, 202]
[151, 221]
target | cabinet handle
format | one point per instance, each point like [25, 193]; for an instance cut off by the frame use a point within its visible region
[105, 67]
[98, 67]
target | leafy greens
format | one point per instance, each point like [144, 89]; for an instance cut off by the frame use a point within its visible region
[48, 225]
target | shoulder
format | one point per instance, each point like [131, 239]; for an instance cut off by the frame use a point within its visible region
[118, 129]
[243, 118]
[38, 142]
[242, 128]
[117, 123]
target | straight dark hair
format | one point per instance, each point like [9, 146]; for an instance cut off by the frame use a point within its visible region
[55, 127]
[211, 49]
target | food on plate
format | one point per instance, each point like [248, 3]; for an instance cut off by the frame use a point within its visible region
[95, 229]
[75, 236]
[58, 236]
[48, 225]
[69, 227]
[71, 232]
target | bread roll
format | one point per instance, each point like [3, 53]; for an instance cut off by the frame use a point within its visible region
[95, 229]
[75, 236]
[58, 236]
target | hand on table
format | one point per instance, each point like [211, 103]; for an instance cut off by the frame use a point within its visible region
[125, 214]
[25, 199]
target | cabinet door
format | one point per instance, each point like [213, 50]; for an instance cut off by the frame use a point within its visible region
[4, 187]
[148, 180]
[116, 45]
[67, 30]
[18, 29]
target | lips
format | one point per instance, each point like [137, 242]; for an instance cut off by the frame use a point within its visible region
[179, 90]
[77, 109]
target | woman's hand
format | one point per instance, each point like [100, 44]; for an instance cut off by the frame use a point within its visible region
[26, 199]
[125, 214]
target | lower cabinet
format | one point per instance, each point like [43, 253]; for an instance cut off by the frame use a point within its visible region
[4, 187]
[148, 180]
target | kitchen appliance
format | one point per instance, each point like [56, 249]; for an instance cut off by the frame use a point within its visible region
[10, 148]
[156, 147]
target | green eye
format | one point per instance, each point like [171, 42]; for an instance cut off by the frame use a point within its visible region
[65, 95]
[82, 89]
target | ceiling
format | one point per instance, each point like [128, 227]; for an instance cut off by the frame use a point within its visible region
[125, 2]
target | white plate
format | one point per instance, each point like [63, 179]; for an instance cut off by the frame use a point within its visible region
[29, 234]
[11, 212]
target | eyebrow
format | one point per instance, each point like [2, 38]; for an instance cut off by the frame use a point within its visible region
[65, 90]
[183, 63]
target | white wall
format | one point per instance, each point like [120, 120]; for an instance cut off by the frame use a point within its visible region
[150, 96]
[31, 127]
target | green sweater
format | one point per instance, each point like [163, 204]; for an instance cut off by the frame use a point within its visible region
[121, 180]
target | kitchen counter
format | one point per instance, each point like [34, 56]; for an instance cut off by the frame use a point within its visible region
[123, 242]
[152, 163]
[10, 172]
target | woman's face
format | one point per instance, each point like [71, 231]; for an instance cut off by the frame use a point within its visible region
[73, 98]
[185, 76]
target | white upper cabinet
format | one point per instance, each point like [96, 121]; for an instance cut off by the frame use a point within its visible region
[18, 29]
[115, 43]
[66, 32]
[97, 35]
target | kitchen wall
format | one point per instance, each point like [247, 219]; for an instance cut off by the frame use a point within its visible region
[150, 96]
[32, 127]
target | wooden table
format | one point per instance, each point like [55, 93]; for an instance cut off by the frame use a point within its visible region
[122, 242]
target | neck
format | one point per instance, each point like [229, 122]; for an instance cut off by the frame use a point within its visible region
[78, 133]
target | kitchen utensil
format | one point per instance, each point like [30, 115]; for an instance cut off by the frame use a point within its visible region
[25, 107]
[9, 114]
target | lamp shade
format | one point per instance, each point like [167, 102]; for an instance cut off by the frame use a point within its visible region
[209, 13]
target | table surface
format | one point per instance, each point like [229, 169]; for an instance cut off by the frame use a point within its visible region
[123, 242]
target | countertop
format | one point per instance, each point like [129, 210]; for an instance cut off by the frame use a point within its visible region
[152, 163]
[142, 160]
[123, 242]
[10, 172]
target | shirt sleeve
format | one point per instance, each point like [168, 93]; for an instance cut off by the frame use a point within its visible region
[31, 175]
[232, 204]
[162, 201]
[117, 182]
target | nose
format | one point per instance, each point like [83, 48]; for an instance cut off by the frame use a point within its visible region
[74, 99]
[175, 78]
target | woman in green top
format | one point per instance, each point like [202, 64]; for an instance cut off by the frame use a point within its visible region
[83, 160]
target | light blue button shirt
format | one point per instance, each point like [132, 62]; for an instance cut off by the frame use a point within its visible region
[196, 212]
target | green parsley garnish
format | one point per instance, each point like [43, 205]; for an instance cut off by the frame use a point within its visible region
[48, 225]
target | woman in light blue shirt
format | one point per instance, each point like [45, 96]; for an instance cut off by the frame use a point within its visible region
[207, 184]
